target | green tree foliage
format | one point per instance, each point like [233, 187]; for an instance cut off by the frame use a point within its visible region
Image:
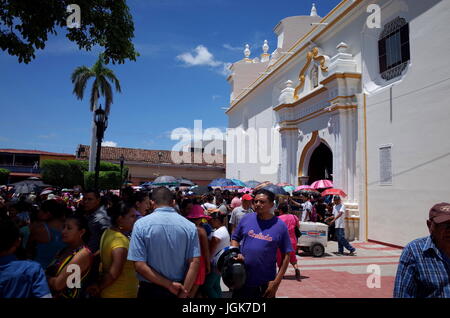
[4, 173]
[25, 25]
[68, 173]
[107, 180]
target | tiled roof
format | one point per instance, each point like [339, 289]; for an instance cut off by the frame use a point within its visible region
[35, 152]
[147, 156]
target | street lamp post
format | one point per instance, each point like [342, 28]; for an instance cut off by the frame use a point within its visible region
[122, 159]
[101, 121]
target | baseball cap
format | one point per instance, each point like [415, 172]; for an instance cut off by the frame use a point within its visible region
[247, 197]
[440, 213]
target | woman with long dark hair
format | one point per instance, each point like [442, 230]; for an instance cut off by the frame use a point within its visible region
[117, 275]
[75, 234]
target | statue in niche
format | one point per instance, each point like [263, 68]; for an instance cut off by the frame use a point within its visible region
[314, 76]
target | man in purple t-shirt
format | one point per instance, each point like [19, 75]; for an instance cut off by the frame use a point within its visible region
[259, 235]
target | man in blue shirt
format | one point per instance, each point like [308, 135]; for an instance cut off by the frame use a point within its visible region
[424, 269]
[18, 279]
[259, 235]
[165, 250]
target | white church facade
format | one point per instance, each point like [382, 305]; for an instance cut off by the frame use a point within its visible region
[361, 97]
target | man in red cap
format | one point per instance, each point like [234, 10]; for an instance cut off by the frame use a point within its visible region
[241, 211]
[424, 269]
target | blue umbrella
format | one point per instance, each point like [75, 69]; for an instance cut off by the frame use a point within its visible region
[239, 183]
[277, 190]
[221, 182]
[252, 184]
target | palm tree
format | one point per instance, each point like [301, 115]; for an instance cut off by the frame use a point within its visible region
[100, 87]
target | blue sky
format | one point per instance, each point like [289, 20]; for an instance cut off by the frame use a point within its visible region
[179, 77]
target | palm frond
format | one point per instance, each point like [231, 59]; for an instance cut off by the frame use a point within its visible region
[112, 77]
[107, 92]
[80, 84]
[78, 71]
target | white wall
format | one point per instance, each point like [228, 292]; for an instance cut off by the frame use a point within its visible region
[419, 131]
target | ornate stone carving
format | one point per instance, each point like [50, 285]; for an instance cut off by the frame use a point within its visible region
[287, 94]
[314, 76]
[310, 56]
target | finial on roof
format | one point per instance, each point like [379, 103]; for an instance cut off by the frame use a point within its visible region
[265, 47]
[314, 11]
[247, 51]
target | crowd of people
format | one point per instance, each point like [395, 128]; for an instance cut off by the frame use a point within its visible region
[163, 244]
[157, 243]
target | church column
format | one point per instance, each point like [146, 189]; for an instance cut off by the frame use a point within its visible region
[288, 154]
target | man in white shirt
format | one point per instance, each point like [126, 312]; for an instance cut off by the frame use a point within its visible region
[307, 208]
[209, 206]
[338, 220]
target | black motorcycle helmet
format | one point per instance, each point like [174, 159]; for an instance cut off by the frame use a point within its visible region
[232, 271]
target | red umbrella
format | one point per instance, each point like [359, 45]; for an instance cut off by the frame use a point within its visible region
[338, 192]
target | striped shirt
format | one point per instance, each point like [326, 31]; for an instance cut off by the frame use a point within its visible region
[423, 272]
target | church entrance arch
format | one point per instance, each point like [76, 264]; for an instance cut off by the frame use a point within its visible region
[321, 164]
[316, 162]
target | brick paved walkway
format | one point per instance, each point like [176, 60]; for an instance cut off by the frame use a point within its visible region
[334, 276]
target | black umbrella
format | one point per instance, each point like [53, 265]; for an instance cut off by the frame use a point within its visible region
[201, 190]
[186, 182]
[28, 186]
[277, 190]
[308, 194]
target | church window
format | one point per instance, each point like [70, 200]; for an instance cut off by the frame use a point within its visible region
[394, 49]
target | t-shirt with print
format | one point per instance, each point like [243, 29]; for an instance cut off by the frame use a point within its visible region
[339, 223]
[259, 240]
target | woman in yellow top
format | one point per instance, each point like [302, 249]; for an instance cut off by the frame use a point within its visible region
[118, 277]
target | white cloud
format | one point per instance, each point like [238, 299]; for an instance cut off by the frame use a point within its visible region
[233, 48]
[202, 57]
[109, 144]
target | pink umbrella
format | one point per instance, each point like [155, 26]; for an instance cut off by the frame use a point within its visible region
[243, 190]
[284, 184]
[322, 184]
[303, 188]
